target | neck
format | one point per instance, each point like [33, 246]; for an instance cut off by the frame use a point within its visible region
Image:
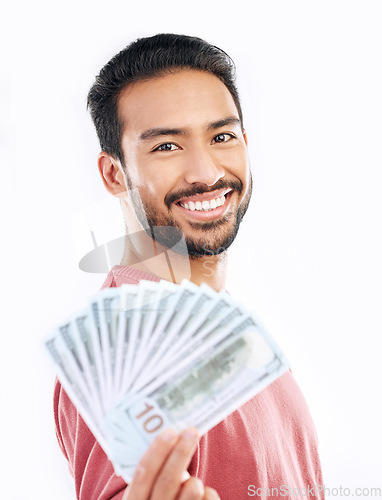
[143, 253]
[210, 269]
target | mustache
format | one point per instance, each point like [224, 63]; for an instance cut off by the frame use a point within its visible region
[202, 188]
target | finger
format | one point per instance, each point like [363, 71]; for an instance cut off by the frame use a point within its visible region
[150, 465]
[210, 494]
[192, 489]
[169, 480]
[125, 494]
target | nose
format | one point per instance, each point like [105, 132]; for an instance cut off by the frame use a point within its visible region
[202, 167]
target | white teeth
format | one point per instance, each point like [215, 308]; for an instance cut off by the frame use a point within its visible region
[205, 205]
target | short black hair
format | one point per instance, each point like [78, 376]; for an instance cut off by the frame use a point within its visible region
[147, 58]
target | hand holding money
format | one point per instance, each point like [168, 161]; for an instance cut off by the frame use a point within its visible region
[154, 356]
[159, 474]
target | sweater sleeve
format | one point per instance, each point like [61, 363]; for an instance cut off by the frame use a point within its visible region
[93, 473]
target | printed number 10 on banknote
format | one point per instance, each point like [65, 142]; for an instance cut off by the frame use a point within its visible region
[148, 418]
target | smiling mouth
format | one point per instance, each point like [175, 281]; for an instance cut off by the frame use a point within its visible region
[204, 206]
[207, 206]
[205, 202]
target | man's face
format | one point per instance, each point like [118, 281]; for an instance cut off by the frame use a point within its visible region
[186, 153]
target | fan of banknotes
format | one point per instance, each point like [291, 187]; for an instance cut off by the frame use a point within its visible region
[144, 357]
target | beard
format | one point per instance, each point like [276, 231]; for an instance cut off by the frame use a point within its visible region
[216, 236]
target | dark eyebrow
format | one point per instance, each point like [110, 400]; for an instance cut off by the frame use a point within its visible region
[157, 132]
[152, 133]
[230, 120]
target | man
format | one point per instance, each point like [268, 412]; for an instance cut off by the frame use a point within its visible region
[174, 150]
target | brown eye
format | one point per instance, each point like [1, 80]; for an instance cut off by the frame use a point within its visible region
[223, 138]
[168, 146]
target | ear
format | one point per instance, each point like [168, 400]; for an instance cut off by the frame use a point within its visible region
[112, 174]
[245, 137]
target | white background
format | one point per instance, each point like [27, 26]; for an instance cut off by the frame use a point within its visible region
[308, 256]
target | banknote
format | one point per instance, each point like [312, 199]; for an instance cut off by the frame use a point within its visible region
[218, 315]
[106, 308]
[201, 391]
[144, 357]
[74, 383]
[178, 325]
